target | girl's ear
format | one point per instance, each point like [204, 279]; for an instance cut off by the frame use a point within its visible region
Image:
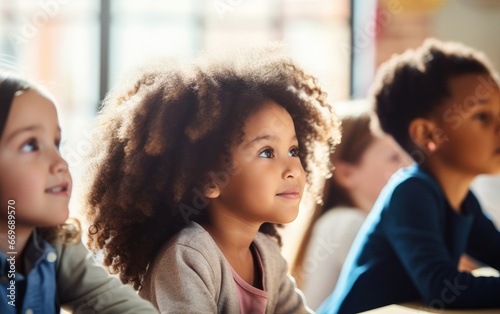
[344, 174]
[212, 190]
[424, 132]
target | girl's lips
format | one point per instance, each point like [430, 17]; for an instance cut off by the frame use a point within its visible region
[61, 189]
[289, 195]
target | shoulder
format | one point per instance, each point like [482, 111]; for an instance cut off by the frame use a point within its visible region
[193, 236]
[413, 184]
[340, 216]
[71, 255]
[411, 196]
[338, 222]
[413, 173]
[190, 250]
[85, 285]
[191, 244]
[75, 259]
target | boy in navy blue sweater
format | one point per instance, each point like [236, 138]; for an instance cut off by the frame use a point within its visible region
[441, 103]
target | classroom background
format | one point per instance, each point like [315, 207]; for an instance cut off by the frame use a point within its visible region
[79, 48]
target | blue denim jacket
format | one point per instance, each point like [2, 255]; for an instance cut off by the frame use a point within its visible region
[35, 292]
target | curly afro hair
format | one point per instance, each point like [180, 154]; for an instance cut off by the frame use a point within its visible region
[413, 84]
[165, 128]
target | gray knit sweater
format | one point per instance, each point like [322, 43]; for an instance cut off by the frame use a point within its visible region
[191, 275]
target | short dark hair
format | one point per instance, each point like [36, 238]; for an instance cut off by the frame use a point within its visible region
[413, 84]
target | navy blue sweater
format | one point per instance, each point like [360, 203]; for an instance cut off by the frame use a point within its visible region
[409, 248]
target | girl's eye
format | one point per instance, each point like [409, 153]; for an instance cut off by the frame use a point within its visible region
[294, 152]
[268, 153]
[57, 143]
[30, 146]
[481, 116]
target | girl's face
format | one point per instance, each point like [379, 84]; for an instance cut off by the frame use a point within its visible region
[267, 179]
[32, 172]
[470, 125]
[378, 163]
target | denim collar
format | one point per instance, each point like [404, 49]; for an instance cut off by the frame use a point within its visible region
[36, 250]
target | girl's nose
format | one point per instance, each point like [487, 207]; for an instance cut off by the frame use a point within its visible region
[293, 168]
[58, 163]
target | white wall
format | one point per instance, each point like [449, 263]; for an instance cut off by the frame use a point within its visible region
[474, 23]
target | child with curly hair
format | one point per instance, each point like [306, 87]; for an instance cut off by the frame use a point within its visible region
[441, 103]
[193, 167]
[43, 263]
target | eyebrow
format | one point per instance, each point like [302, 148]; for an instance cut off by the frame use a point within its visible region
[26, 129]
[264, 138]
[483, 101]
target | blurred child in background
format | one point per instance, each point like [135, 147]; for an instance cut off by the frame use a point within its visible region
[363, 162]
